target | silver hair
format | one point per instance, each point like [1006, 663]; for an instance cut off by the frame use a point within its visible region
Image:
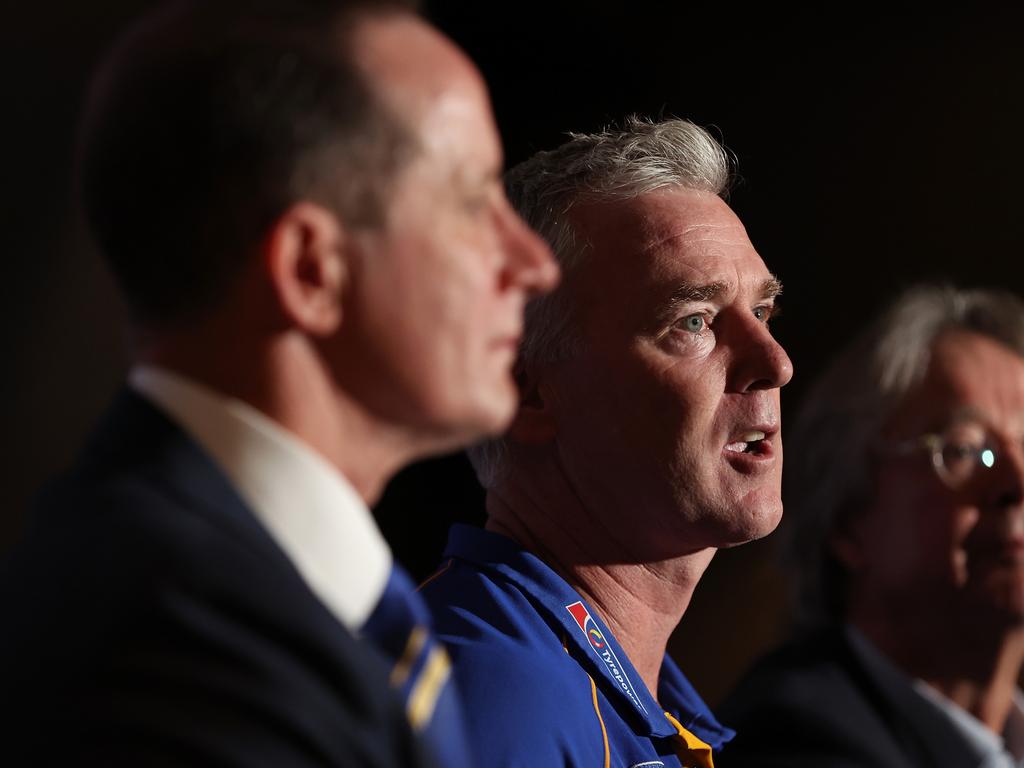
[829, 468]
[642, 156]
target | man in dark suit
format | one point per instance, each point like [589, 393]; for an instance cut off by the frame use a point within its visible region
[905, 515]
[302, 204]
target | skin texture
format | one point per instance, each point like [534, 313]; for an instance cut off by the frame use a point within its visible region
[436, 310]
[378, 346]
[938, 574]
[621, 475]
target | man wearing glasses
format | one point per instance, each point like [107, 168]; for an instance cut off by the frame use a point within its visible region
[905, 498]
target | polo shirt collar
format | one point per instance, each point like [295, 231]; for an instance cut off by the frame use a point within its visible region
[589, 640]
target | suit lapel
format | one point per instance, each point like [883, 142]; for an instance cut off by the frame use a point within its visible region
[135, 437]
[924, 733]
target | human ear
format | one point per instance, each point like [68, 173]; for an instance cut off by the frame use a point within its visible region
[304, 256]
[534, 421]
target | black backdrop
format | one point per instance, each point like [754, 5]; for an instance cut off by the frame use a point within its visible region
[874, 151]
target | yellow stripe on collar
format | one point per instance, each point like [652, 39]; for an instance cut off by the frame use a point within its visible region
[693, 752]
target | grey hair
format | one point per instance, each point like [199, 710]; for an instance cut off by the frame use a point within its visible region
[829, 469]
[614, 164]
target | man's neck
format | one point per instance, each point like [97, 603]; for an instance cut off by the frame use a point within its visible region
[283, 379]
[642, 603]
[973, 665]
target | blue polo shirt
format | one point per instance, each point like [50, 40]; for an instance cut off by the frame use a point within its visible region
[543, 680]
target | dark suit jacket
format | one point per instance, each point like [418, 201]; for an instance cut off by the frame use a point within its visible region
[148, 619]
[814, 704]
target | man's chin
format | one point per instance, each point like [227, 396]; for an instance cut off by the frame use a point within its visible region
[755, 518]
[487, 415]
[1001, 597]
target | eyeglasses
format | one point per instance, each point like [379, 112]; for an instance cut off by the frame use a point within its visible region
[958, 453]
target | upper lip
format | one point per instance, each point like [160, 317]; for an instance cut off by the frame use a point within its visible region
[1006, 536]
[998, 533]
[997, 549]
[743, 434]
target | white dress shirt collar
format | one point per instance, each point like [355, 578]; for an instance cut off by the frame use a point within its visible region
[994, 751]
[309, 508]
[998, 750]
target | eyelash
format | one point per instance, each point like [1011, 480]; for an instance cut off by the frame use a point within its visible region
[704, 316]
[770, 311]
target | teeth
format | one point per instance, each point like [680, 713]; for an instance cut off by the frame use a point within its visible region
[743, 444]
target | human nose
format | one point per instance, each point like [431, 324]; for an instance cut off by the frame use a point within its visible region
[1007, 486]
[529, 263]
[760, 362]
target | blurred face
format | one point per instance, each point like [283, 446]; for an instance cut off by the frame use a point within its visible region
[925, 544]
[668, 418]
[438, 292]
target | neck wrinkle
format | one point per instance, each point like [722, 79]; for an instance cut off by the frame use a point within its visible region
[284, 379]
[985, 688]
[642, 603]
[978, 670]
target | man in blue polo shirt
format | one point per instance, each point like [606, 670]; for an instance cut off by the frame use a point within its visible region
[647, 437]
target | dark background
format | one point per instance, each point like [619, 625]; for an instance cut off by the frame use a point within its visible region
[873, 153]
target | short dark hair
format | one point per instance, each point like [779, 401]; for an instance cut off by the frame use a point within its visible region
[207, 120]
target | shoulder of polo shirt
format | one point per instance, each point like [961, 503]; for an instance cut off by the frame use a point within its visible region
[530, 704]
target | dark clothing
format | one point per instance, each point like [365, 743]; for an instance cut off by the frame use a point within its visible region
[148, 619]
[814, 703]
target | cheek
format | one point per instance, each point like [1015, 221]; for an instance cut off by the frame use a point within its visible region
[663, 407]
[912, 533]
[965, 521]
[456, 297]
[600, 419]
[687, 403]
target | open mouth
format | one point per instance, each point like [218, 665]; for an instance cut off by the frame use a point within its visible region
[754, 442]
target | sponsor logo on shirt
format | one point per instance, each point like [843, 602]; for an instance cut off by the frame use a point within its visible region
[603, 649]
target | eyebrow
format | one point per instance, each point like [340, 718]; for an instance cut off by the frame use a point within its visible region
[691, 292]
[687, 292]
[771, 288]
[965, 413]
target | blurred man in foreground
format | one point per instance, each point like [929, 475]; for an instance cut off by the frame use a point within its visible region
[302, 204]
[906, 515]
[647, 436]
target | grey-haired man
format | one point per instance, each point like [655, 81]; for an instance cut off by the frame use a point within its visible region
[647, 437]
[906, 522]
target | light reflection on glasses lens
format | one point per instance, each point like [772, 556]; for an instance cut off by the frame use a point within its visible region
[959, 451]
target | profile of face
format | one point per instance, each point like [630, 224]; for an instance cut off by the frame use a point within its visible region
[434, 312]
[935, 543]
[667, 420]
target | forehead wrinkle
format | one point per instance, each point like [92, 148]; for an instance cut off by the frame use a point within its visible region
[664, 240]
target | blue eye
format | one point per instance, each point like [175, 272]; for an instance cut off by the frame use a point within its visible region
[764, 313]
[694, 323]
